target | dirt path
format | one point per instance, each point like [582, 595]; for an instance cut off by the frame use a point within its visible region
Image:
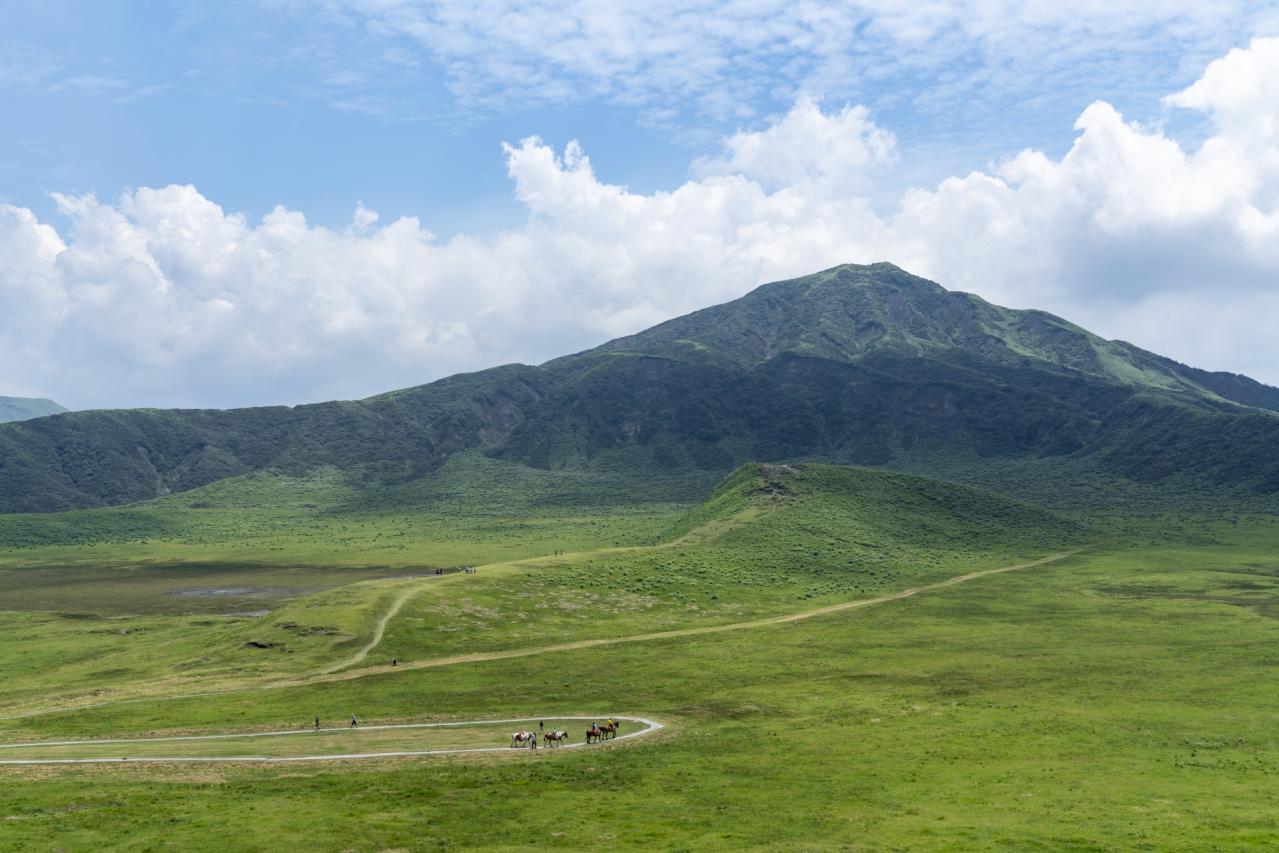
[650, 726]
[506, 654]
[399, 602]
[330, 674]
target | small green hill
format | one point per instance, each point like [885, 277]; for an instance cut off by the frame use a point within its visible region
[829, 532]
[25, 408]
[868, 508]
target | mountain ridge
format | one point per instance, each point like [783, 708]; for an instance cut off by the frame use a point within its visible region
[866, 365]
[13, 409]
[969, 322]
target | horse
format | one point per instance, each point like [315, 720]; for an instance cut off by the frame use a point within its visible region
[608, 730]
[594, 735]
[555, 736]
[521, 738]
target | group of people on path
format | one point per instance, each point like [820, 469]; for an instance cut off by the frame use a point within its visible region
[596, 732]
[354, 722]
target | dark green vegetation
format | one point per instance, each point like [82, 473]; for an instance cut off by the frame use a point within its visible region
[25, 408]
[866, 365]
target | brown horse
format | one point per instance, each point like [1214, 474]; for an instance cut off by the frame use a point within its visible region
[609, 730]
[555, 737]
[594, 735]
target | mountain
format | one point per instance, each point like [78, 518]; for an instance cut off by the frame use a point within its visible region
[857, 364]
[850, 313]
[25, 408]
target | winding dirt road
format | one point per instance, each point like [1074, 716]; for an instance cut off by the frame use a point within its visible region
[331, 673]
[650, 726]
[506, 654]
[379, 631]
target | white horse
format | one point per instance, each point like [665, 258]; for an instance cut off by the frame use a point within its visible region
[522, 738]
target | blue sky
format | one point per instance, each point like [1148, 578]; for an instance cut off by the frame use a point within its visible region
[316, 106]
[145, 142]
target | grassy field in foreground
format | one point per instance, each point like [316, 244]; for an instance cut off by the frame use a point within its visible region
[1121, 698]
[1116, 700]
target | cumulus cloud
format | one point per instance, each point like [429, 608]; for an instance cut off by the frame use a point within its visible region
[161, 297]
[721, 59]
[837, 153]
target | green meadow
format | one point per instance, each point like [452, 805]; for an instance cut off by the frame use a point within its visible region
[1118, 696]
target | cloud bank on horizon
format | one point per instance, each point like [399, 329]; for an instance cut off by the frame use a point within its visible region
[161, 297]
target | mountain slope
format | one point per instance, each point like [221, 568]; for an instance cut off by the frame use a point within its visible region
[858, 364]
[24, 408]
[852, 312]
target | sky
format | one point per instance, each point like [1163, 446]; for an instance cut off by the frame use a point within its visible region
[286, 201]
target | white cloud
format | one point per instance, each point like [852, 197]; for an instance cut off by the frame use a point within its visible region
[363, 219]
[161, 297]
[837, 153]
[719, 60]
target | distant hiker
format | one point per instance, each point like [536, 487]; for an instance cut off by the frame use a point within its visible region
[395, 661]
[354, 722]
[317, 724]
[541, 725]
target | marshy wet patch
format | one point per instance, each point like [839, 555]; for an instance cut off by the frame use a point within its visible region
[176, 587]
[233, 592]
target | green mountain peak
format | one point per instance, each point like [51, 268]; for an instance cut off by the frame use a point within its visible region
[862, 364]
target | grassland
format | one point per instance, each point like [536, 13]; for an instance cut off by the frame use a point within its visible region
[771, 540]
[1121, 698]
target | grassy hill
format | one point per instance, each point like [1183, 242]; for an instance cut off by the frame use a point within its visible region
[772, 539]
[26, 408]
[866, 365]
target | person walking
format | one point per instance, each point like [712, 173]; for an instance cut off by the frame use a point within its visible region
[354, 722]
[317, 724]
[541, 725]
